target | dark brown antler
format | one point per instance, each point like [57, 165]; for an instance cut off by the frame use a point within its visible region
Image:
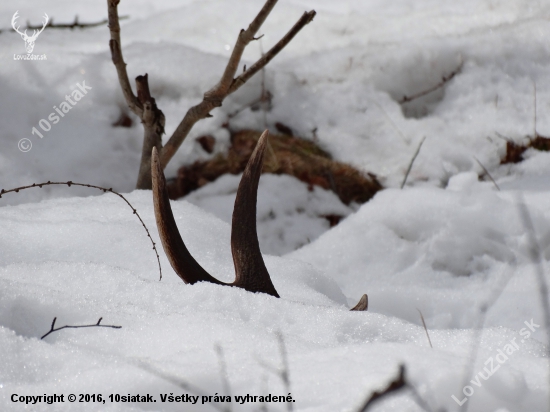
[250, 271]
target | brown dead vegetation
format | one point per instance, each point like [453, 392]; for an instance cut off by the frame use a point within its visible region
[286, 154]
[514, 151]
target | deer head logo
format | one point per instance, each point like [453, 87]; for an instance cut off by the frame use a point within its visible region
[29, 40]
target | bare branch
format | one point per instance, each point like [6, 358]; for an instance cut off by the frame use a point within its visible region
[245, 37]
[116, 54]
[306, 18]
[75, 24]
[153, 128]
[97, 325]
[105, 190]
[228, 84]
[443, 82]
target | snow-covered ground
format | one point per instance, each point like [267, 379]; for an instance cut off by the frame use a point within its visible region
[448, 245]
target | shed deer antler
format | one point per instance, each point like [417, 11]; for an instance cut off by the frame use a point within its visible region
[29, 40]
[250, 271]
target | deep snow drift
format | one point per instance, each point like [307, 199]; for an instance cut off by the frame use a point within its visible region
[447, 245]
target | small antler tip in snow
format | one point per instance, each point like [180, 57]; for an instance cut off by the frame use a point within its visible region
[362, 305]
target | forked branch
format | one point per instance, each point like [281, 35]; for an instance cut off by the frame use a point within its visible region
[228, 83]
[153, 119]
[95, 325]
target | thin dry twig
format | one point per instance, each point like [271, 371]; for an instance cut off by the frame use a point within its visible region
[96, 325]
[487, 173]
[285, 376]
[499, 289]
[265, 388]
[74, 24]
[223, 374]
[425, 328]
[412, 162]
[283, 371]
[398, 383]
[116, 55]
[443, 82]
[179, 382]
[535, 255]
[535, 134]
[71, 26]
[105, 190]
[395, 385]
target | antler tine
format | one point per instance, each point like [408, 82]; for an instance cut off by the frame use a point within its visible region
[250, 271]
[362, 305]
[185, 266]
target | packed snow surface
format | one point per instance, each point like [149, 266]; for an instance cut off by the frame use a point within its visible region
[449, 246]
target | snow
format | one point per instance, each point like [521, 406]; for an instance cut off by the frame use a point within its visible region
[448, 245]
[289, 214]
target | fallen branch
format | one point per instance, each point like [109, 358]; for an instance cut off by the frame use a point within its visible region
[105, 190]
[97, 325]
[443, 82]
